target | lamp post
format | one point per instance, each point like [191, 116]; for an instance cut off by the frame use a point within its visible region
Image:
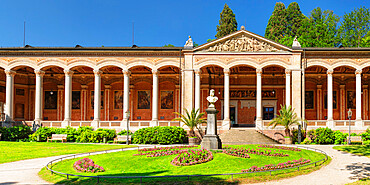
[128, 118]
[349, 126]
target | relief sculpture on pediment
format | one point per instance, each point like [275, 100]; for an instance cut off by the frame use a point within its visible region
[242, 43]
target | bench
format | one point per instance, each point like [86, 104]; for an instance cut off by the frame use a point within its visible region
[54, 137]
[355, 139]
[122, 138]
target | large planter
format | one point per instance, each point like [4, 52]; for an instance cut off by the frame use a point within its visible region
[288, 140]
[194, 141]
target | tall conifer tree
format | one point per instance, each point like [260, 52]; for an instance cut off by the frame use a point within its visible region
[294, 18]
[276, 26]
[227, 22]
[354, 27]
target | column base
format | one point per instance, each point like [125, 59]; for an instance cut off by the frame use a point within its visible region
[154, 123]
[259, 124]
[330, 123]
[226, 124]
[124, 124]
[211, 142]
[358, 123]
[66, 123]
[95, 124]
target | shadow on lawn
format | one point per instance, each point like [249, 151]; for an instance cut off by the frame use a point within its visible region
[160, 181]
[359, 170]
[358, 150]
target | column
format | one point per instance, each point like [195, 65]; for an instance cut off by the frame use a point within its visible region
[126, 92]
[287, 87]
[259, 95]
[67, 97]
[330, 94]
[107, 102]
[227, 95]
[319, 102]
[155, 97]
[197, 89]
[9, 95]
[97, 96]
[342, 108]
[84, 101]
[358, 95]
[365, 102]
[38, 96]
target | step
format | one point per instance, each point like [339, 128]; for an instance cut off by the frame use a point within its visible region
[244, 136]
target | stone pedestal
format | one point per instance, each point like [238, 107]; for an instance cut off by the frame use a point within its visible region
[211, 141]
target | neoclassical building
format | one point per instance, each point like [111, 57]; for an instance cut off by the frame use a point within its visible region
[251, 75]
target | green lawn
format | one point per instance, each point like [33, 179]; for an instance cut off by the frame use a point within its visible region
[15, 151]
[125, 164]
[363, 150]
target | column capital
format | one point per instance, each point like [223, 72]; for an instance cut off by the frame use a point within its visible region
[126, 72]
[259, 71]
[226, 71]
[39, 72]
[107, 86]
[288, 71]
[365, 86]
[155, 71]
[84, 87]
[358, 72]
[60, 87]
[342, 86]
[10, 72]
[319, 86]
[68, 72]
[330, 72]
[197, 71]
[97, 72]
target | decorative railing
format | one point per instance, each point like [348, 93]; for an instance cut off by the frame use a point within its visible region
[79, 123]
[317, 123]
[51, 123]
[110, 124]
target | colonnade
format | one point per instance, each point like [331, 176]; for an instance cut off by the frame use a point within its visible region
[39, 74]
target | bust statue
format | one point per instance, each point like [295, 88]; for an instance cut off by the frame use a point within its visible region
[212, 98]
[189, 42]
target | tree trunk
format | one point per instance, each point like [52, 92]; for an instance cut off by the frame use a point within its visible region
[287, 132]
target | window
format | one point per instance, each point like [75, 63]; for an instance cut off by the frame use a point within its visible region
[268, 113]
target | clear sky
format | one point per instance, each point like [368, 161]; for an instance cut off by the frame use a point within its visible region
[109, 23]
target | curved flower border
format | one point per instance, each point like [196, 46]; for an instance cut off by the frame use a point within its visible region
[254, 151]
[287, 164]
[177, 161]
[280, 147]
[87, 165]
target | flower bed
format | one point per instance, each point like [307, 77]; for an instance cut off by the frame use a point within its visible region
[239, 151]
[191, 157]
[165, 148]
[161, 153]
[280, 147]
[287, 164]
[236, 153]
[87, 165]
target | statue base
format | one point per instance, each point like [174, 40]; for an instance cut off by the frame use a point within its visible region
[211, 142]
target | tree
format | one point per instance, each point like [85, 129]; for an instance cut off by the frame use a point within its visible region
[287, 118]
[354, 27]
[294, 19]
[168, 45]
[276, 25]
[366, 40]
[191, 120]
[227, 22]
[320, 29]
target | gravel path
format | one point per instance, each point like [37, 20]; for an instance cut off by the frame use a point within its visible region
[344, 168]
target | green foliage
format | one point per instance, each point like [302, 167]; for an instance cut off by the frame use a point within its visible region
[287, 118]
[276, 26]
[168, 45]
[191, 120]
[295, 135]
[227, 23]
[124, 132]
[340, 138]
[320, 29]
[15, 133]
[159, 135]
[294, 19]
[322, 136]
[110, 134]
[355, 26]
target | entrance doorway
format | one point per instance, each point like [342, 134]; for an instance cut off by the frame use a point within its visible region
[232, 116]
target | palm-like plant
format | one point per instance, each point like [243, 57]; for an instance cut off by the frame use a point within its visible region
[287, 118]
[192, 120]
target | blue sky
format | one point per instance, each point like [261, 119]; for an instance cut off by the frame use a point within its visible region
[109, 23]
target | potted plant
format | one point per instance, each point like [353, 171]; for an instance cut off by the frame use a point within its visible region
[192, 120]
[286, 118]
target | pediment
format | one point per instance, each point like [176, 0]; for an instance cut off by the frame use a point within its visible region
[242, 41]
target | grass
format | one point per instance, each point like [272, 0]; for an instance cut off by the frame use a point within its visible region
[16, 151]
[125, 164]
[363, 150]
[361, 182]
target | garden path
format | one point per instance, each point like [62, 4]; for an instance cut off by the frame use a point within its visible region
[344, 168]
[26, 171]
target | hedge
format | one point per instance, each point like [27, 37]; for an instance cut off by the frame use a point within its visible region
[15, 133]
[160, 135]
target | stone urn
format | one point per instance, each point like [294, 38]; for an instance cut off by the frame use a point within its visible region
[194, 141]
[288, 140]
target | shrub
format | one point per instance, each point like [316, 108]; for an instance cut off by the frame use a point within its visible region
[110, 134]
[20, 132]
[295, 135]
[340, 138]
[323, 136]
[124, 132]
[159, 135]
[87, 165]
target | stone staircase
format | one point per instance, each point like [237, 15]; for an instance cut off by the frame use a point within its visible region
[245, 136]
